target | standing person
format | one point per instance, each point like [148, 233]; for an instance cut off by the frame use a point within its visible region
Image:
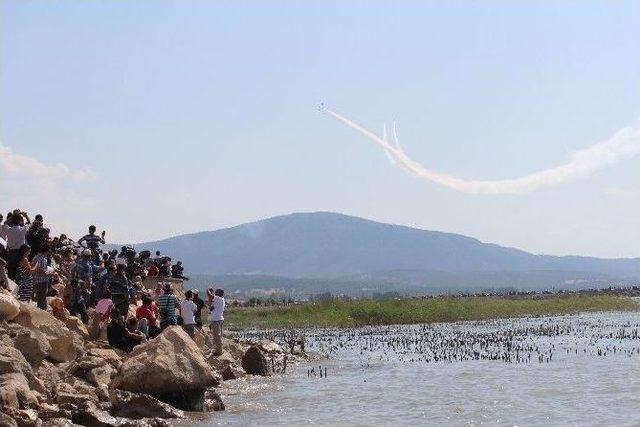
[76, 301]
[167, 304]
[102, 284]
[199, 305]
[15, 232]
[188, 312]
[216, 318]
[25, 272]
[84, 271]
[41, 275]
[119, 286]
[92, 239]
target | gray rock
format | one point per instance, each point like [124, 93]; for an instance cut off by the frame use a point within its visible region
[33, 345]
[136, 405]
[92, 416]
[255, 363]
[12, 361]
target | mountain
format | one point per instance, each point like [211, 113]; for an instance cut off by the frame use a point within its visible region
[335, 247]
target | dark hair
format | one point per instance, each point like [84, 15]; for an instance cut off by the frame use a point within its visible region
[146, 300]
[39, 218]
[132, 321]
[106, 294]
[115, 313]
[188, 295]
[44, 248]
[24, 250]
[168, 288]
[219, 293]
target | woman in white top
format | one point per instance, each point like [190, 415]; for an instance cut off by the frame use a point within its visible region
[216, 318]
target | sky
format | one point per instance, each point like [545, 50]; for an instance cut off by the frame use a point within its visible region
[155, 118]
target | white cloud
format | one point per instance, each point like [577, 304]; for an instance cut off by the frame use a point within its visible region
[19, 165]
[53, 190]
[623, 145]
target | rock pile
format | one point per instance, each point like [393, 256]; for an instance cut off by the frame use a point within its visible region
[52, 374]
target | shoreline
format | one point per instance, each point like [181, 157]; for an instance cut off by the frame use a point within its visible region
[414, 310]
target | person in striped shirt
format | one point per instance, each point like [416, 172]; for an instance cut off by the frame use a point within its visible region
[92, 238]
[167, 304]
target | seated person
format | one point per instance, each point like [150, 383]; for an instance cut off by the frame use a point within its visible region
[132, 328]
[119, 336]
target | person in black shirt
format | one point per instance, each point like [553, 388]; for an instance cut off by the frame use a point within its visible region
[118, 334]
[199, 304]
[119, 286]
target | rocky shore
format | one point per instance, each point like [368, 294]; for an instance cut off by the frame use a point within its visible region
[51, 374]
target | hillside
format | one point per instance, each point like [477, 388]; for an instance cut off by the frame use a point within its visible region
[330, 246]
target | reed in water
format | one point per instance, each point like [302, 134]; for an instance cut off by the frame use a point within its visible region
[421, 310]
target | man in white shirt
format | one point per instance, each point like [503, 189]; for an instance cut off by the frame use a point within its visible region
[188, 313]
[15, 232]
[216, 318]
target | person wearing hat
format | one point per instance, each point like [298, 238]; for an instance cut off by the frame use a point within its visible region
[84, 271]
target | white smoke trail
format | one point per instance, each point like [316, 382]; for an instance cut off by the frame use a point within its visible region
[622, 145]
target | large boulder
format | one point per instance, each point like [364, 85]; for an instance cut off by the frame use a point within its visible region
[50, 375]
[92, 416]
[75, 391]
[109, 355]
[74, 324]
[101, 375]
[12, 361]
[136, 405]
[15, 392]
[234, 348]
[269, 347]
[7, 421]
[170, 367]
[9, 306]
[254, 362]
[33, 345]
[65, 344]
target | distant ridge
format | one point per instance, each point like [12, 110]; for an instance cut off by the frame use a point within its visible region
[332, 246]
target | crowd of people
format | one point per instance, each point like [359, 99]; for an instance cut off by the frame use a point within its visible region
[102, 288]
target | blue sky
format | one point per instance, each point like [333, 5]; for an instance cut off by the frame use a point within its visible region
[176, 117]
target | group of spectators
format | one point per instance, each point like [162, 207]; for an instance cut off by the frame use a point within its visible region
[84, 279]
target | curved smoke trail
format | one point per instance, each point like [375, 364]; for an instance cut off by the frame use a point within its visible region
[622, 145]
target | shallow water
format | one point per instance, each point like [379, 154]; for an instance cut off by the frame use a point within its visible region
[567, 370]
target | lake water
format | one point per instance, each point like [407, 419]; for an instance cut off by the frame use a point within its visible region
[567, 370]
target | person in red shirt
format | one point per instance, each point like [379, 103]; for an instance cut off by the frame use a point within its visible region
[152, 270]
[147, 315]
